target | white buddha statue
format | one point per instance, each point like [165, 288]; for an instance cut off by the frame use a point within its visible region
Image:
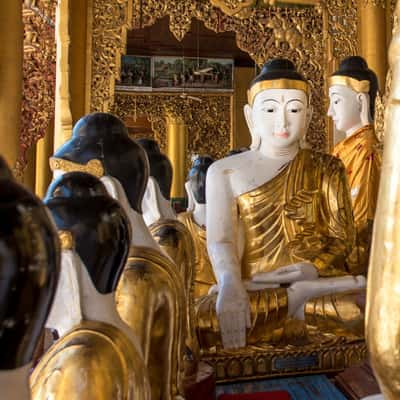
[290, 207]
[352, 92]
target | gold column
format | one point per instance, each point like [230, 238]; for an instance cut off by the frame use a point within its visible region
[176, 152]
[62, 117]
[372, 36]
[383, 291]
[11, 53]
[44, 149]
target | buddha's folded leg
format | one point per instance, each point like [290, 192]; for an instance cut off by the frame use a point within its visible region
[268, 314]
[340, 313]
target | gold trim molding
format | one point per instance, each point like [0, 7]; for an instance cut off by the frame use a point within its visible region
[93, 167]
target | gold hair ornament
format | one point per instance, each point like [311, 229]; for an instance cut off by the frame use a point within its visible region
[277, 84]
[66, 240]
[93, 167]
[356, 85]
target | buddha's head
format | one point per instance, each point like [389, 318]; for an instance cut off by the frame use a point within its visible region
[278, 110]
[29, 270]
[96, 224]
[100, 146]
[352, 92]
[196, 182]
[160, 166]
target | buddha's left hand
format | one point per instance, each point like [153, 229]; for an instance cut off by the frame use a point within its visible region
[302, 271]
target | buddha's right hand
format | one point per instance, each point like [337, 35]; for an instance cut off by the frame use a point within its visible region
[233, 311]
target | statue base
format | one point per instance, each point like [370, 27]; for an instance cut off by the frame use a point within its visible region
[265, 361]
[202, 384]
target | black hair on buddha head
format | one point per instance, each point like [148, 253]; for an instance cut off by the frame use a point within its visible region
[357, 68]
[278, 68]
[5, 171]
[80, 205]
[29, 270]
[160, 166]
[104, 137]
[197, 177]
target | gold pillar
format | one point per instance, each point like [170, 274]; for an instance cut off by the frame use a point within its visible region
[11, 53]
[28, 178]
[176, 152]
[383, 291]
[44, 149]
[372, 36]
[62, 117]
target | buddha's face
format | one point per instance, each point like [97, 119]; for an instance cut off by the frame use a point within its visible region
[345, 106]
[279, 116]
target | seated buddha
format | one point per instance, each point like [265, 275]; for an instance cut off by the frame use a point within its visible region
[150, 295]
[171, 235]
[195, 220]
[352, 92]
[29, 270]
[97, 355]
[291, 209]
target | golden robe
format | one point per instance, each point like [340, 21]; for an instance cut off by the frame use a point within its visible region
[93, 361]
[150, 299]
[204, 275]
[303, 214]
[175, 240]
[363, 161]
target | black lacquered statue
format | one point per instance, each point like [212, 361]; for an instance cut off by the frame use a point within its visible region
[29, 269]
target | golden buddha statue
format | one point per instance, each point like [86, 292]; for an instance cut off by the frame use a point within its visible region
[98, 357]
[172, 237]
[194, 220]
[150, 296]
[291, 209]
[352, 92]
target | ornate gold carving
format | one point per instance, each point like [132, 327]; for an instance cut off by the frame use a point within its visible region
[375, 3]
[93, 167]
[258, 362]
[266, 32]
[66, 240]
[208, 121]
[38, 74]
[111, 19]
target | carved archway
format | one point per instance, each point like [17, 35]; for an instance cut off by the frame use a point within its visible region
[314, 37]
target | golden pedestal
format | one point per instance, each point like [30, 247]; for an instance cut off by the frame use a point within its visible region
[255, 362]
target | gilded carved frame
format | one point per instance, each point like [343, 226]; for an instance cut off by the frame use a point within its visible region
[267, 32]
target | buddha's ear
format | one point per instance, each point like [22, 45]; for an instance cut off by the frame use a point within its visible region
[189, 192]
[309, 114]
[365, 115]
[150, 198]
[116, 191]
[255, 139]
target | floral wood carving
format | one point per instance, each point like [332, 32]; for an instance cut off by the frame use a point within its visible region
[208, 121]
[266, 32]
[111, 19]
[38, 74]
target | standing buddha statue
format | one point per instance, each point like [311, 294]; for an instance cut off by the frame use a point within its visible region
[352, 91]
[291, 208]
[195, 220]
[97, 356]
[29, 270]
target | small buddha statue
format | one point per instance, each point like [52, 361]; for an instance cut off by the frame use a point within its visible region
[29, 270]
[150, 295]
[171, 235]
[97, 355]
[352, 91]
[195, 220]
[289, 206]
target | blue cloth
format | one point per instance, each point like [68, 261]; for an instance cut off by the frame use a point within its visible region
[311, 387]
